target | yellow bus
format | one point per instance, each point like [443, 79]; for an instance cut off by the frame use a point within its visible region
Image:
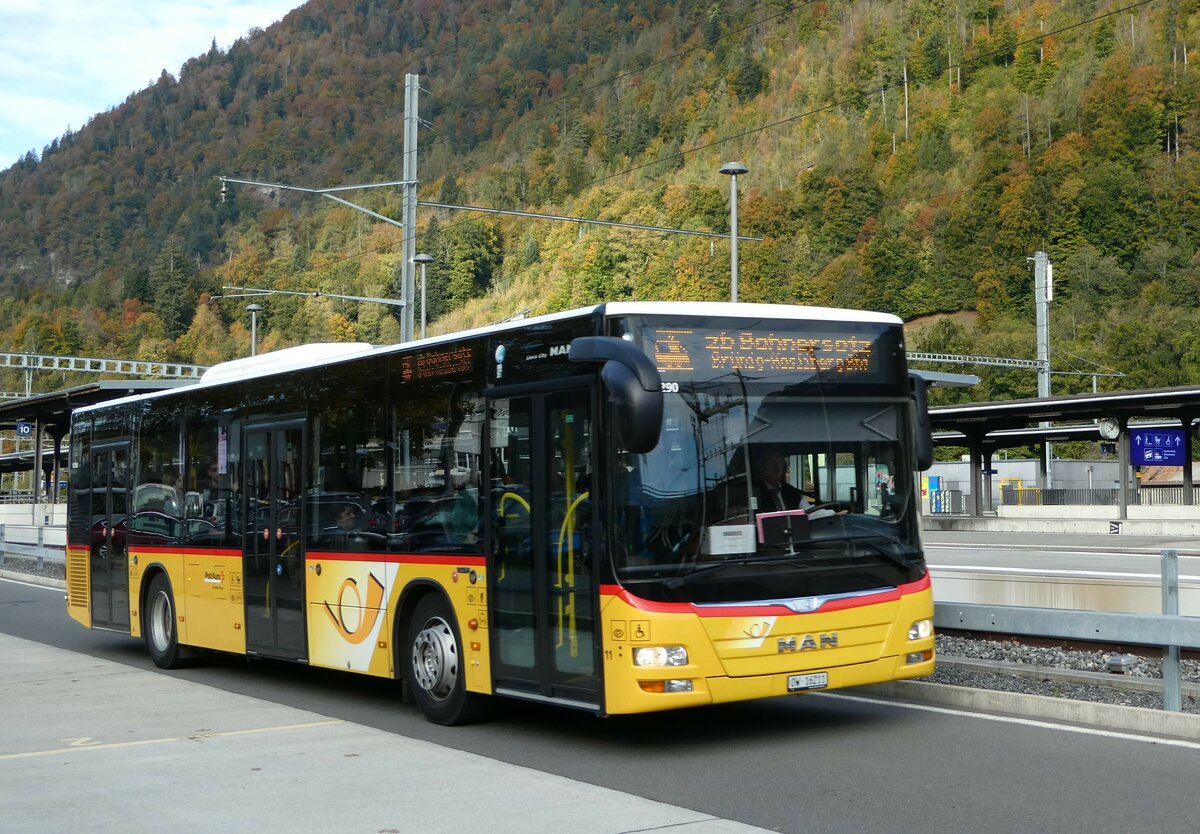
[564, 509]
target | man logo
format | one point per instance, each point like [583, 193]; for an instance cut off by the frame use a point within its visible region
[803, 644]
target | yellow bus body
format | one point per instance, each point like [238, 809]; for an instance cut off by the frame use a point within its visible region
[735, 653]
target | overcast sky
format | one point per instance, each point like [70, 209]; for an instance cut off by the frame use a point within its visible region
[64, 61]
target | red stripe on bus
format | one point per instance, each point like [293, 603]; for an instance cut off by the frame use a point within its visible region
[890, 595]
[326, 555]
[155, 550]
[395, 558]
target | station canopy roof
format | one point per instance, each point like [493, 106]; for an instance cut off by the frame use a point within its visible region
[53, 410]
[1072, 417]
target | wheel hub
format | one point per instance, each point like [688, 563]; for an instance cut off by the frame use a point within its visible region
[435, 659]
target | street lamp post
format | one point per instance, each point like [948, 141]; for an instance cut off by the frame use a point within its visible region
[423, 259]
[254, 310]
[733, 169]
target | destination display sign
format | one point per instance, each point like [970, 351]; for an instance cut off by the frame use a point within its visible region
[699, 351]
[1161, 447]
[437, 362]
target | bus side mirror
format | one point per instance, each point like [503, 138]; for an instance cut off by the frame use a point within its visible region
[633, 384]
[922, 427]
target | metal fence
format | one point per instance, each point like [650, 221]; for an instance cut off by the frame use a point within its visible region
[1153, 496]
[1014, 496]
[1168, 630]
[16, 497]
[1055, 497]
[29, 542]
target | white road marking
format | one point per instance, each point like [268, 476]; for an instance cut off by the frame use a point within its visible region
[76, 747]
[31, 585]
[1025, 722]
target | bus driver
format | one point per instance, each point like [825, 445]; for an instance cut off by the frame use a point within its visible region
[772, 491]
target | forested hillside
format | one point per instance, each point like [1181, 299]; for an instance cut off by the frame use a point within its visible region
[904, 155]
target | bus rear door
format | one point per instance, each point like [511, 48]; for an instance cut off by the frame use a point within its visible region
[109, 551]
[273, 560]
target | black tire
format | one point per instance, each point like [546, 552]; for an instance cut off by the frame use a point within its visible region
[436, 666]
[159, 624]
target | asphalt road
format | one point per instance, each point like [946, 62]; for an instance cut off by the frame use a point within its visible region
[823, 762]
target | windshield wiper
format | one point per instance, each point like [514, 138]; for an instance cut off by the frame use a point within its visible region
[797, 558]
[891, 554]
[681, 580]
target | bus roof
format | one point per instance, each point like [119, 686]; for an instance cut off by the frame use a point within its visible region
[739, 310]
[323, 354]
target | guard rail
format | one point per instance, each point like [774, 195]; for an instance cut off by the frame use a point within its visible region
[1169, 630]
[40, 543]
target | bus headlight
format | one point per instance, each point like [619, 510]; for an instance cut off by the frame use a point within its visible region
[920, 629]
[660, 656]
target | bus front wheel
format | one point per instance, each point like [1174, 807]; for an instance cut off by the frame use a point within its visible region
[158, 624]
[436, 666]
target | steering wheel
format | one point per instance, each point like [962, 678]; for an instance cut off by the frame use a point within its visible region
[838, 507]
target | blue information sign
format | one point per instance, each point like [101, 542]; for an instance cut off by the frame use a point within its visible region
[24, 429]
[1163, 447]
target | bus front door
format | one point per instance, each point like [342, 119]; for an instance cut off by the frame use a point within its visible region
[273, 550]
[543, 594]
[109, 552]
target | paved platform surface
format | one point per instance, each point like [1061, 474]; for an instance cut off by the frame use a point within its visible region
[75, 757]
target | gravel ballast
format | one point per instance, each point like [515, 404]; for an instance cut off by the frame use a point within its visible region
[1011, 666]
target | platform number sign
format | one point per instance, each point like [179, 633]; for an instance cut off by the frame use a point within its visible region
[1161, 447]
[24, 429]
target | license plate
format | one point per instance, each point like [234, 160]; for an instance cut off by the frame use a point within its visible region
[814, 680]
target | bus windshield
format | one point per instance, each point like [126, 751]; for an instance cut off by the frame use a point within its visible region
[763, 487]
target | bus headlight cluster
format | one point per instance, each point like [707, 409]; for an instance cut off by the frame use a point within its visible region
[920, 630]
[650, 656]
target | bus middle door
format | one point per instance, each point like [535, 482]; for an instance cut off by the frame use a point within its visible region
[543, 597]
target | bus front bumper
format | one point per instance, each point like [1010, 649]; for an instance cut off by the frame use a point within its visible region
[633, 697]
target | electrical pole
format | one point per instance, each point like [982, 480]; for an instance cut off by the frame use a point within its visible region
[408, 219]
[1043, 292]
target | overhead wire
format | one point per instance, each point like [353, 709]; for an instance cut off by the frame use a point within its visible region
[1084, 359]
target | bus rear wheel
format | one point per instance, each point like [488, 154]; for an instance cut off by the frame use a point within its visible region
[158, 624]
[436, 673]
